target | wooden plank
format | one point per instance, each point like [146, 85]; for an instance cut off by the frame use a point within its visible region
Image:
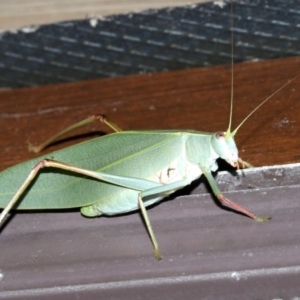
[187, 99]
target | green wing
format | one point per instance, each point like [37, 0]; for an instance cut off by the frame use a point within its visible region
[129, 153]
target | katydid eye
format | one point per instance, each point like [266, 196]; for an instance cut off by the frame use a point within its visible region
[220, 135]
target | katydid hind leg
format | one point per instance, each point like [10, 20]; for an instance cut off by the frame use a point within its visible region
[19, 193]
[147, 189]
[103, 119]
[226, 201]
[126, 182]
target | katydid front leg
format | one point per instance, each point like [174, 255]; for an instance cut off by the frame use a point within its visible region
[226, 201]
[244, 164]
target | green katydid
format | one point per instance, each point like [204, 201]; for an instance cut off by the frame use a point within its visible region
[108, 176]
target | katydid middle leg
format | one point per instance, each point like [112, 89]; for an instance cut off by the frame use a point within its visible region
[159, 190]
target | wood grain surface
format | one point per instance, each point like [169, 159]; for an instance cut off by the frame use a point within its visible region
[187, 99]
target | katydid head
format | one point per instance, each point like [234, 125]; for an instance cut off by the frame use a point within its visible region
[225, 147]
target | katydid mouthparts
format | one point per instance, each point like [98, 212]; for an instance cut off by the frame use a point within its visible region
[107, 175]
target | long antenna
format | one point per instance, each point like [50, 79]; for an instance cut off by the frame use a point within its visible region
[228, 132]
[257, 107]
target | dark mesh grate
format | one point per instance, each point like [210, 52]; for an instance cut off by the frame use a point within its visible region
[150, 41]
